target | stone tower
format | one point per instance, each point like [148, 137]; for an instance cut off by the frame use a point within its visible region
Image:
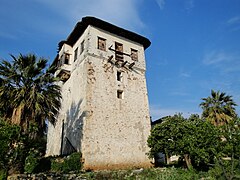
[104, 113]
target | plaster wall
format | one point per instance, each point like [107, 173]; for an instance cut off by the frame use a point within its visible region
[110, 132]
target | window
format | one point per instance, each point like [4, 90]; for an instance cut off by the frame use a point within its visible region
[82, 47]
[119, 76]
[75, 54]
[66, 58]
[118, 51]
[119, 94]
[101, 44]
[134, 54]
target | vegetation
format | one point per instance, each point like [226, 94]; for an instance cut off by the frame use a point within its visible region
[142, 174]
[28, 93]
[31, 162]
[67, 164]
[11, 149]
[193, 140]
[210, 143]
[219, 108]
[28, 97]
[209, 146]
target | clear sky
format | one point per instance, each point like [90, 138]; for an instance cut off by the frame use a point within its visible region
[195, 43]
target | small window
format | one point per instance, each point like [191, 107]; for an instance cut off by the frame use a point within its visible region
[101, 44]
[119, 94]
[118, 51]
[119, 76]
[82, 47]
[75, 54]
[134, 54]
[66, 58]
[61, 61]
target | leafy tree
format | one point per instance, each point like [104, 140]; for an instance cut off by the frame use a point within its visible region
[16, 146]
[219, 108]
[11, 148]
[194, 140]
[28, 92]
[163, 136]
[229, 156]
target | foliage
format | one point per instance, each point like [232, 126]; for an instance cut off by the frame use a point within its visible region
[31, 161]
[28, 92]
[19, 152]
[163, 135]
[57, 164]
[226, 169]
[231, 137]
[72, 163]
[67, 164]
[228, 161]
[16, 148]
[218, 108]
[194, 140]
[152, 173]
[11, 145]
[3, 174]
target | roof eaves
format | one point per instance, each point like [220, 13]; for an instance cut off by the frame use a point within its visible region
[86, 21]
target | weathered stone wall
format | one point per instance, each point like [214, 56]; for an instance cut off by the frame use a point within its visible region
[73, 107]
[110, 132]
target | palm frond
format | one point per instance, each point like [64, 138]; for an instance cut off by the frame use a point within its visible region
[28, 91]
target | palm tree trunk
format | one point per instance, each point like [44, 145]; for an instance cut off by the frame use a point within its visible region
[188, 161]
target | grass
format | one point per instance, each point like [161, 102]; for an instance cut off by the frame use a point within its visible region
[147, 174]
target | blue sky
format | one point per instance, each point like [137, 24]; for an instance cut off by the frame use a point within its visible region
[195, 43]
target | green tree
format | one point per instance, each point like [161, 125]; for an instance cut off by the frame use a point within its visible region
[218, 108]
[229, 156]
[194, 140]
[12, 152]
[29, 94]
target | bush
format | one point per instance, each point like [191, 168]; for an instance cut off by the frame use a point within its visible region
[12, 147]
[226, 169]
[31, 161]
[72, 163]
[56, 164]
[67, 164]
[3, 174]
[152, 173]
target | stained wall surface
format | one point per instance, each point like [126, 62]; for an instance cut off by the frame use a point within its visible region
[110, 130]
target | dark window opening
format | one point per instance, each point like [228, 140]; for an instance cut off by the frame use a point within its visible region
[66, 58]
[101, 44]
[119, 76]
[82, 47]
[60, 62]
[118, 51]
[120, 94]
[134, 54]
[75, 54]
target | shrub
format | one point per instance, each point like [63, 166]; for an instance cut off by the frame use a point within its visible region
[12, 147]
[226, 169]
[31, 161]
[3, 174]
[56, 164]
[67, 164]
[72, 163]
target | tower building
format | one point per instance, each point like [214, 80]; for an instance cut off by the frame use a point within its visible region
[104, 112]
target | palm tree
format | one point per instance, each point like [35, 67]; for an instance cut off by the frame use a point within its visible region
[29, 94]
[219, 108]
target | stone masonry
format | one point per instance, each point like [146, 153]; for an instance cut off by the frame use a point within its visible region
[104, 113]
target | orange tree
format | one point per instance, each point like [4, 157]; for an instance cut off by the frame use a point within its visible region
[195, 140]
